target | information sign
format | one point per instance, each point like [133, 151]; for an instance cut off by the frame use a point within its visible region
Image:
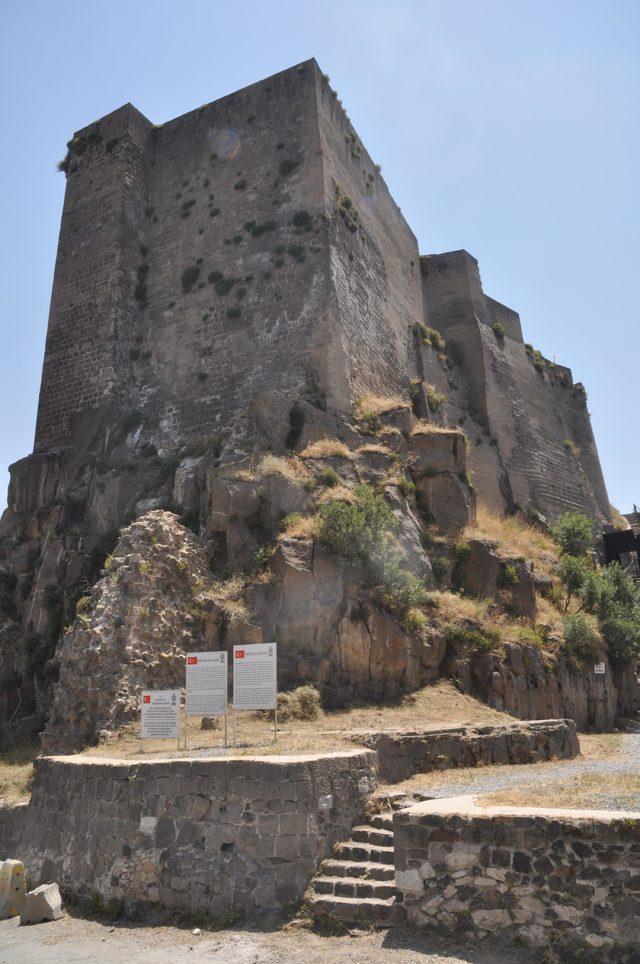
[160, 715]
[206, 693]
[254, 677]
[599, 669]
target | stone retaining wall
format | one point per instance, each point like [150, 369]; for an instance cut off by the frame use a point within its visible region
[401, 754]
[568, 879]
[220, 836]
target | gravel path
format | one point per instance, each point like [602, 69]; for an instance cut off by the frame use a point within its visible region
[490, 779]
[75, 941]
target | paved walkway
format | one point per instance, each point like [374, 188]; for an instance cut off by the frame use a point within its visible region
[487, 780]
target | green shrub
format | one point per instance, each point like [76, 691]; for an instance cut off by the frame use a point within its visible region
[189, 277]
[432, 337]
[434, 398]
[573, 573]
[580, 638]
[399, 589]
[329, 477]
[355, 532]
[233, 312]
[224, 286]
[302, 221]
[508, 577]
[407, 487]
[498, 330]
[240, 185]
[465, 637]
[440, 567]
[573, 532]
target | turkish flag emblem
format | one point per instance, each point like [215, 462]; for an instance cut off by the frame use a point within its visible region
[192, 660]
[240, 654]
[146, 699]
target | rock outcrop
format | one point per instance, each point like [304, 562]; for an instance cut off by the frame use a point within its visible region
[131, 633]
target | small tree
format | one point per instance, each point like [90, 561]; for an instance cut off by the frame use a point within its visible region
[573, 573]
[573, 532]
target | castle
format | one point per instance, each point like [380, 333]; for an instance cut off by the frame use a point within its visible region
[252, 244]
[243, 259]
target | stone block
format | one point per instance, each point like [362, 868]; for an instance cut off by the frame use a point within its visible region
[42, 904]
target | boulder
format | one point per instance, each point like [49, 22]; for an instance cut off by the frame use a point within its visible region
[484, 571]
[42, 904]
[408, 534]
[444, 450]
[186, 491]
[281, 497]
[224, 499]
[447, 500]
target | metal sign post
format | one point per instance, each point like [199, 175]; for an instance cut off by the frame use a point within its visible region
[255, 680]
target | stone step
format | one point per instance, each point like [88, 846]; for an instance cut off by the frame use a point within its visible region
[363, 869]
[356, 850]
[373, 835]
[374, 910]
[354, 887]
[382, 820]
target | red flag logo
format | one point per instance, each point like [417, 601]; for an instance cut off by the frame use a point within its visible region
[146, 699]
[240, 654]
[192, 660]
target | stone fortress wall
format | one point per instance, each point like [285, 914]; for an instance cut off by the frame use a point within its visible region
[302, 277]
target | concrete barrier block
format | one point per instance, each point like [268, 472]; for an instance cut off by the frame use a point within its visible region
[11, 888]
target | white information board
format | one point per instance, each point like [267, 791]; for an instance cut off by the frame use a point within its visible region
[599, 669]
[206, 693]
[255, 677]
[160, 715]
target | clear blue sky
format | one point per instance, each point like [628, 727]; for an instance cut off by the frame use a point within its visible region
[508, 128]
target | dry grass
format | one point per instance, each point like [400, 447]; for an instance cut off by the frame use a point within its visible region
[515, 537]
[428, 708]
[586, 791]
[16, 773]
[619, 521]
[338, 493]
[229, 596]
[487, 615]
[292, 469]
[326, 448]
[428, 428]
[373, 405]
[376, 449]
[299, 526]
[600, 746]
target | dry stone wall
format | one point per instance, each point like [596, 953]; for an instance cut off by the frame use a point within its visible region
[222, 837]
[401, 754]
[568, 880]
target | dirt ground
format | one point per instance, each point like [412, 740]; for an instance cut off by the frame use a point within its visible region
[72, 940]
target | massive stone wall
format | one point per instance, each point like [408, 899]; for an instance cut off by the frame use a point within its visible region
[566, 879]
[218, 836]
[532, 442]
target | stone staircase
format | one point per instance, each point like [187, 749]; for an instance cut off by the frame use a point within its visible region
[357, 883]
